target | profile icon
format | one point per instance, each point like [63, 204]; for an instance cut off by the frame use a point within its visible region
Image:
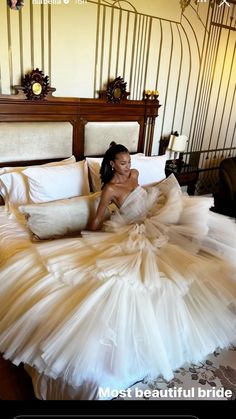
[15, 4]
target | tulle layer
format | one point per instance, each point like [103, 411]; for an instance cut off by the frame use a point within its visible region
[152, 291]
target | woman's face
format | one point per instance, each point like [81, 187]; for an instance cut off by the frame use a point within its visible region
[122, 163]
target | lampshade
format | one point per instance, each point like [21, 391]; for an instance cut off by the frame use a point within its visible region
[178, 144]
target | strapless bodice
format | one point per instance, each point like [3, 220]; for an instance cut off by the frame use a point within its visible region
[135, 206]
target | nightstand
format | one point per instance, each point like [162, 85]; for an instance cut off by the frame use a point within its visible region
[185, 174]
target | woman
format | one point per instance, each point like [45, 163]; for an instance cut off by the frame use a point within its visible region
[118, 180]
[155, 289]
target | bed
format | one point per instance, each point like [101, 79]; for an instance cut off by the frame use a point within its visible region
[56, 314]
[50, 154]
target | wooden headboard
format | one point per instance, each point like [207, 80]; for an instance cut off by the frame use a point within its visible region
[14, 108]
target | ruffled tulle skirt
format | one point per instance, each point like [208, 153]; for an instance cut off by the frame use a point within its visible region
[135, 300]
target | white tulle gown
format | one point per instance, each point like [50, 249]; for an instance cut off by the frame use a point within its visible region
[155, 289]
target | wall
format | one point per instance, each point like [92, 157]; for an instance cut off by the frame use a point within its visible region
[187, 54]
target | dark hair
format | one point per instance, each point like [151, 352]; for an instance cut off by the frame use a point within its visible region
[106, 172]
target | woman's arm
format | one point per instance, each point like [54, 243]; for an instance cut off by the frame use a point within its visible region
[105, 200]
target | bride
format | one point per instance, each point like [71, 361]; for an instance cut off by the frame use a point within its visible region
[149, 290]
[118, 180]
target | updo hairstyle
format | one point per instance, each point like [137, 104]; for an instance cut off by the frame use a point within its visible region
[106, 171]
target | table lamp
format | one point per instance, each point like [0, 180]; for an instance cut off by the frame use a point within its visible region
[178, 145]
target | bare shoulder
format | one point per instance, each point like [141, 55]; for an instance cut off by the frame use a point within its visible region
[107, 192]
[108, 188]
[134, 173]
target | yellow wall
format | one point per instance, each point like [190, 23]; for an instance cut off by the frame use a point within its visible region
[152, 44]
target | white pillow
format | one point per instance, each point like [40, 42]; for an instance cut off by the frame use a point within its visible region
[151, 169]
[13, 183]
[57, 182]
[8, 169]
[63, 217]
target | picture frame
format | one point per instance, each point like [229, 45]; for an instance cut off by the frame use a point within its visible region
[36, 85]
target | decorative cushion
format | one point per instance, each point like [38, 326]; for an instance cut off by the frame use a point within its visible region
[62, 217]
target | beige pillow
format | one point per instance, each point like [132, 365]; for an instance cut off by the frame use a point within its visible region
[63, 217]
